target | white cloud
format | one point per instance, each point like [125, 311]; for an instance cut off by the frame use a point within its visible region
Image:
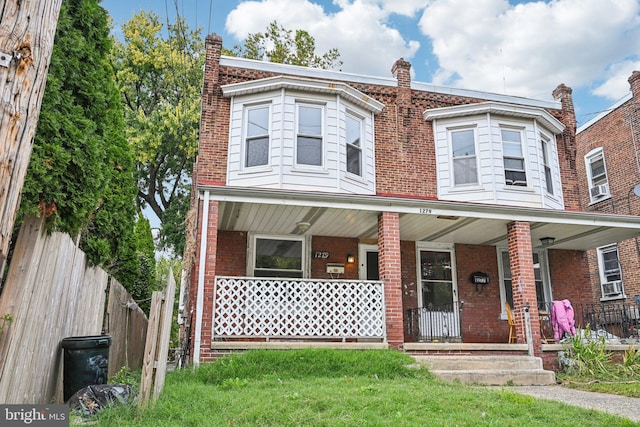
[530, 48]
[358, 29]
[616, 82]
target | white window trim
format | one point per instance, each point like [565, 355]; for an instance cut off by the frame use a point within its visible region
[588, 159]
[450, 130]
[251, 250]
[345, 143]
[437, 247]
[323, 125]
[544, 274]
[603, 279]
[525, 157]
[245, 129]
[545, 148]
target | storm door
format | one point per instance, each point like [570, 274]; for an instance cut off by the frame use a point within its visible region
[439, 317]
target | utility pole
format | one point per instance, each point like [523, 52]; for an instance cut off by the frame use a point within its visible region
[27, 30]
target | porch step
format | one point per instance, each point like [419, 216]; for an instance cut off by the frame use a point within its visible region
[489, 370]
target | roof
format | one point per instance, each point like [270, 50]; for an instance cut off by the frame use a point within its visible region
[317, 73]
[605, 113]
[512, 110]
[271, 211]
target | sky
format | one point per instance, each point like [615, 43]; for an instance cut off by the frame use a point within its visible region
[516, 47]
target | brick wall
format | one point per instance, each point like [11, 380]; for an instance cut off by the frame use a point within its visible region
[618, 134]
[570, 276]
[522, 274]
[481, 311]
[338, 249]
[391, 273]
[404, 141]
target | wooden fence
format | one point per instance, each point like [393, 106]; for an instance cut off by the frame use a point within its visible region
[52, 293]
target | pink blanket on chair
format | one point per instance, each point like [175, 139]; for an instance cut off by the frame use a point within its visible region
[562, 319]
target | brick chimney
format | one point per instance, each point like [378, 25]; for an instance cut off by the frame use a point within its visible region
[634, 82]
[567, 147]
[401, 70]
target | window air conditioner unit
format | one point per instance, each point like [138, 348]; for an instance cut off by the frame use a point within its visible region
[599, 190]
[612, 288]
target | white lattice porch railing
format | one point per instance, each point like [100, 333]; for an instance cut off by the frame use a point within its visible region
[247, 307]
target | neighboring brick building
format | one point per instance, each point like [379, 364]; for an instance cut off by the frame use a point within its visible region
[380, 212]
[609, 175]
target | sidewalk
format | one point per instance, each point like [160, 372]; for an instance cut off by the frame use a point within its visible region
[628, 407]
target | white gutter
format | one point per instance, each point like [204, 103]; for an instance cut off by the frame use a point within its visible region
[201, 270]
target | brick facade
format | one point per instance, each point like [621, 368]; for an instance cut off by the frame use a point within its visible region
[406, 167]
[618, 134]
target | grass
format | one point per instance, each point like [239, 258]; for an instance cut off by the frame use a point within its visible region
[337, 388]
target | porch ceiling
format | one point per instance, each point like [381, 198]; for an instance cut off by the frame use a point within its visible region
[278, 212]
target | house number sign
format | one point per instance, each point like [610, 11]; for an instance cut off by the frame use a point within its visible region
[321, 255]
[424, 211]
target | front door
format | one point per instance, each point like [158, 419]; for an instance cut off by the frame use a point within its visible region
[439, 317]
[368, 262]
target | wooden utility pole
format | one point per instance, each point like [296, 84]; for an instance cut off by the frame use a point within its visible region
[27, 30]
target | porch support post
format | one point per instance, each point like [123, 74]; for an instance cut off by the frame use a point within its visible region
[390, 273]
[523, 282]
[201, 331]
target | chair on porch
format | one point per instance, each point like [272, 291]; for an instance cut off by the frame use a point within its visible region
[512, 323]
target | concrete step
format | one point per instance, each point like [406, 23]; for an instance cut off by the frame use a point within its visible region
[489, 370]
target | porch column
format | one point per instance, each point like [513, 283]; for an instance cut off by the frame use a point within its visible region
[202, 293]
[523, 282]
[390, 273]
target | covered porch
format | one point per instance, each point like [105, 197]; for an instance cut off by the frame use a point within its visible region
[367, 266]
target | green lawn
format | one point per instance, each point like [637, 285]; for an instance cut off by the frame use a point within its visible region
[337, 388]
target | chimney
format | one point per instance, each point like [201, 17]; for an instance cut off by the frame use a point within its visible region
[634, 82]
[401, 70]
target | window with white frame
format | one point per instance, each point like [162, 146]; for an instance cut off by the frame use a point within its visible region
[543, 291]
[544, 146]
[597, 175]
[278, 256]
[257, 136]
[465, 167]
[309, 136]
[354, 144]
[610, 272]
[513, 157]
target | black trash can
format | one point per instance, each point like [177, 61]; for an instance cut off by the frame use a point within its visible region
[86, 362]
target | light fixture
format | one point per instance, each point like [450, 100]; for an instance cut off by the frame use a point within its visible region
[303, 226]
[351, 259]
[547, 241]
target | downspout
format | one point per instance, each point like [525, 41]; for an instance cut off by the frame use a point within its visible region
[201, 274]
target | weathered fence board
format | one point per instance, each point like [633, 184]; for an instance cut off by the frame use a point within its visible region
[52, 293]
[128, 329]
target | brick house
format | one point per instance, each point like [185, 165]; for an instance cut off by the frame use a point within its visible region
[357, 211]
[609, 174]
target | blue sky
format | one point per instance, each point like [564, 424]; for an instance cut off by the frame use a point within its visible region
[522, 48]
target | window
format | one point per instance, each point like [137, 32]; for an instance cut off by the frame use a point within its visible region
[597, 175]
[354, 146]
[539, 271]
[514, 170]
[465, 169]
[544, 146]
[610, 272]
[278, 257]
[257, 140]
[309, 137]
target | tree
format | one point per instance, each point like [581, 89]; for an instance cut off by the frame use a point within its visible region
[281, 45]
[160, 79]
[81, 173]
